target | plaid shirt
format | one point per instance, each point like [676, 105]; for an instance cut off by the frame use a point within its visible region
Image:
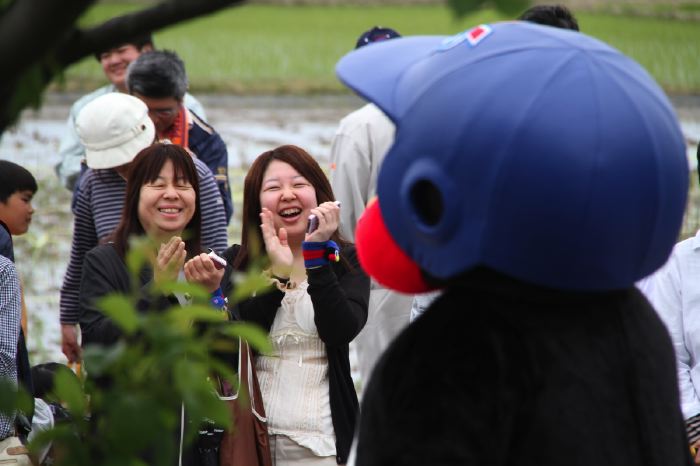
[10, 309]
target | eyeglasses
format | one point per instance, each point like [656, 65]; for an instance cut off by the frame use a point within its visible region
[164, 112]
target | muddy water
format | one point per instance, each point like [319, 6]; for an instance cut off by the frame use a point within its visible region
[248, 125]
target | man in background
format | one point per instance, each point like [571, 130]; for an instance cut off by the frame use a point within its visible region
[557, 16]
[357, 150]
[158, 78]
[114, 62]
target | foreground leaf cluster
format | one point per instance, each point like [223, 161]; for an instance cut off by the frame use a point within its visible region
[127, 407]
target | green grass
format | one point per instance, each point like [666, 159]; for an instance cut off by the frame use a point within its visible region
[260, 48]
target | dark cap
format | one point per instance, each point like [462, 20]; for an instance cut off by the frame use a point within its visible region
[376, 34]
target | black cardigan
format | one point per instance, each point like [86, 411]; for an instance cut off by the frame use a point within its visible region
[340, 295]
[104, 272]
[499, 372]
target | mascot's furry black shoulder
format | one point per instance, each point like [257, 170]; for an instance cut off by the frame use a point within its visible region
[536, 174]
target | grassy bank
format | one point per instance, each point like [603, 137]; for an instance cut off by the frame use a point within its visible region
[264, 48]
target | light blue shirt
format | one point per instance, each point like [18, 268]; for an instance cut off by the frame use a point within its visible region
[675, 293]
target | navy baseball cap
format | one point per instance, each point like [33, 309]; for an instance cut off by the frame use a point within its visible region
[539, 152]
[376, 34]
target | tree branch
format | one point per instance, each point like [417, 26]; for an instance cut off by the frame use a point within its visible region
[81, 43]
[29, 29]
[38, 39]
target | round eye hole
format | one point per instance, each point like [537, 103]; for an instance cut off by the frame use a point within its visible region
[427, 202]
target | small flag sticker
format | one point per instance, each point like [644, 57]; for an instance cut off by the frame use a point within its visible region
[473, 36]
[478, 33]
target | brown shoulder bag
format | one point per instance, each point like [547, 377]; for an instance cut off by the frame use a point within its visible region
[247, 443]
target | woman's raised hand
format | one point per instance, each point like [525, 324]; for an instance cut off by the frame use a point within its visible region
[170, 259]
[328, 215]
[201, 270]
[276, 245]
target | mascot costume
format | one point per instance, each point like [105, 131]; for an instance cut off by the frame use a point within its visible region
[536, 175]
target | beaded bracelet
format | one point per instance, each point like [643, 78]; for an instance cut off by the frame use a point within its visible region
[318, 254]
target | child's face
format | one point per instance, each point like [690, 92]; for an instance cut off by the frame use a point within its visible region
[17, 212]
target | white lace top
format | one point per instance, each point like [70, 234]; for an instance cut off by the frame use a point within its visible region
[294, 380]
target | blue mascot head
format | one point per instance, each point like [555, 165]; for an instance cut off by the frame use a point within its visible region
[541, 153]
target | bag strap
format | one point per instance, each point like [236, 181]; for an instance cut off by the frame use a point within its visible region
[247, 377]
[250, 380]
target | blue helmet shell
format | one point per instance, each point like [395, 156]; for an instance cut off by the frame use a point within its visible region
[539, 152]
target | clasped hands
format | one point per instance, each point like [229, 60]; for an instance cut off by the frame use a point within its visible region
[200, 269]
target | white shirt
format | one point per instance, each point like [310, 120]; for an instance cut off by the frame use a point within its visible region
[357, 151]
[294, 379]
[675, 293]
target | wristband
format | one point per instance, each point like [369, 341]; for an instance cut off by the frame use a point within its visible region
[218, 300]
[319, 254]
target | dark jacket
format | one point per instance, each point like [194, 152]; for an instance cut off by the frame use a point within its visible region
[499, 372]
[104, 272]
[210, 149]
[340, 296]
[6, 247]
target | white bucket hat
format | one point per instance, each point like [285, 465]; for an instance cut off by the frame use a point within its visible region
[114, 128]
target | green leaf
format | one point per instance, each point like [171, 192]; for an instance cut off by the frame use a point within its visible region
[138, 255]
[99, 359]
[194, 290]
[14, 397]
[460, 8]
[252, 333]
[247, 285]
[8, 396]
[135, 422]
[203, 313]
[25, 401]
[512, 8]
[68, 389]
[119, 308]
[198, 393]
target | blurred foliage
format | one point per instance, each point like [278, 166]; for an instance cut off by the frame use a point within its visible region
[126, 409]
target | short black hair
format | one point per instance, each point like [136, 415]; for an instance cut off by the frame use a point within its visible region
[14, 178]
[557, 16]
[139, 41]
[157, 74]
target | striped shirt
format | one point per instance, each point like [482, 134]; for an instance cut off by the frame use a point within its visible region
[10, 309]
[97, 211]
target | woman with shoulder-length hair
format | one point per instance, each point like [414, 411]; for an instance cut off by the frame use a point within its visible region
[162, 206]
[317, 306]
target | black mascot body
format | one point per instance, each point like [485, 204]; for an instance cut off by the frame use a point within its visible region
[536, 175]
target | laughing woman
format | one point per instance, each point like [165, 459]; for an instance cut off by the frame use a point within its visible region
[319, 304]
[161, 204]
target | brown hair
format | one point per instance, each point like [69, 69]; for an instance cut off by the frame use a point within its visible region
[307, 167]
[145, 168]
